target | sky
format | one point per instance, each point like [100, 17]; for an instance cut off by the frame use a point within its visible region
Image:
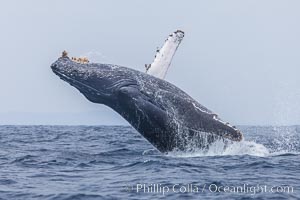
[240, 59]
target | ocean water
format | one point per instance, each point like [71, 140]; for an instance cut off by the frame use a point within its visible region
[115, 162]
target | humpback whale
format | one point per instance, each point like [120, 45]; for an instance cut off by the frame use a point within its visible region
[161, 112]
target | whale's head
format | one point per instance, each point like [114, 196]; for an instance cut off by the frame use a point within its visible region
[97, 82]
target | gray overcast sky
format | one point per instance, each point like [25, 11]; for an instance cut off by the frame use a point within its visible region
[240, 59]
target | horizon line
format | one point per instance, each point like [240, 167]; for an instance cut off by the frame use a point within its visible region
[259, 125]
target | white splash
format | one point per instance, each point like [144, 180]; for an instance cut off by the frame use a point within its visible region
[276, 142]
[219, 148]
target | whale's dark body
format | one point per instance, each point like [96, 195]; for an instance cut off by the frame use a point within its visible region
[165, 115]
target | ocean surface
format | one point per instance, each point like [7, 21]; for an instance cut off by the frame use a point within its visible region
[115, 162]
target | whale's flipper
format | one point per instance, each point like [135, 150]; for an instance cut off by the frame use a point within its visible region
[164, 56]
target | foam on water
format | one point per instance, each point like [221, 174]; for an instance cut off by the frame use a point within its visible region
[252, 148]
[282, 141]
[220, 148]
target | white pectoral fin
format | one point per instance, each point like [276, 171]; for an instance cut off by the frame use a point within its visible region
[164, 56]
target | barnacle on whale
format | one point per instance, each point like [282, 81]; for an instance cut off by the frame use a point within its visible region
[81, 60]
[64, 54]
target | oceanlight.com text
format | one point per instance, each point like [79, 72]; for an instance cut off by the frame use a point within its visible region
[164, 189]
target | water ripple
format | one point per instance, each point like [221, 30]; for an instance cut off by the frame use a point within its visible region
[102, 162]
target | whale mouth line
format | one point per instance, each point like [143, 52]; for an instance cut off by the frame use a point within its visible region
[75, 82]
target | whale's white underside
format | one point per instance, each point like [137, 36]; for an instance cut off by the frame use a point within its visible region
[164, 56]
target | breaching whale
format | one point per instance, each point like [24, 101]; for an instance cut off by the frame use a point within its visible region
[164, 114]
